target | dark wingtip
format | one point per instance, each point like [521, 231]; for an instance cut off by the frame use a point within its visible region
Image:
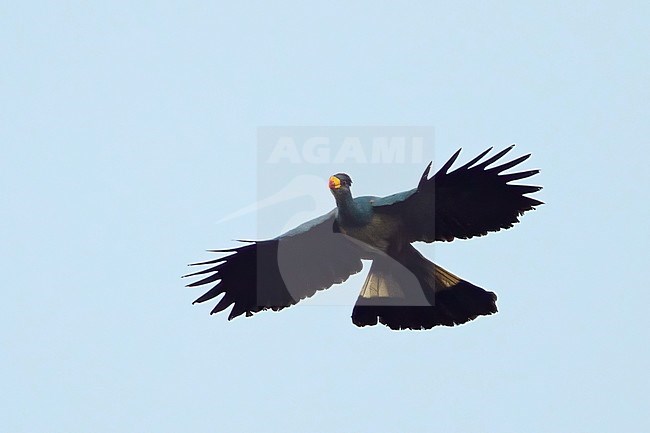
[425, 175]
[519, 175]
[209, 262]
[450, 162]
[494, 157]
[476, 159]
[510, 164]
[209, 279]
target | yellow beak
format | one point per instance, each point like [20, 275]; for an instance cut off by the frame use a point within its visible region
[335, 182]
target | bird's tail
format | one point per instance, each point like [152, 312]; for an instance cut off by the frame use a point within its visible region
[410, 292]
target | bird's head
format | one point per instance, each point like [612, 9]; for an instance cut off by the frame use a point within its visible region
[340, 182]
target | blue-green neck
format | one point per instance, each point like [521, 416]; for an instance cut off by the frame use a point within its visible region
[351, 211]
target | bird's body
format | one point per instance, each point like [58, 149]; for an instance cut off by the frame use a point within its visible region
[403, 289]
[379, 230]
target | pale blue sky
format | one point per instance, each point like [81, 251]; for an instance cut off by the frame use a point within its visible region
[128, 130]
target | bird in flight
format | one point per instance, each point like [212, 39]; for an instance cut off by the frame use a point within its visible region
[403, 289]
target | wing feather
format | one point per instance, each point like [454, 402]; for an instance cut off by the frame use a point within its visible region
[472, 200]
[276, 273]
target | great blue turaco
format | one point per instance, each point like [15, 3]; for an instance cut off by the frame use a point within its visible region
[403, 290]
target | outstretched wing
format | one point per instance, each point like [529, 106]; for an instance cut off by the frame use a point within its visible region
[276, 273]
[469, 201]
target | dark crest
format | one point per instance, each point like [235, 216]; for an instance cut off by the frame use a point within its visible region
[344, 178]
